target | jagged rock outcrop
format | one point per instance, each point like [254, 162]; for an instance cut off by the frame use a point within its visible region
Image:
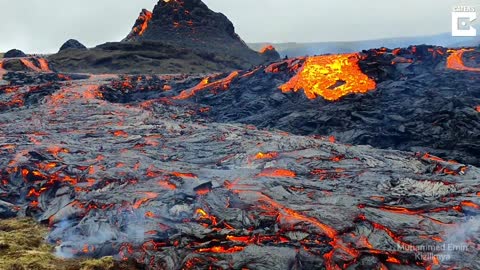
[14, 53]
[72, 44]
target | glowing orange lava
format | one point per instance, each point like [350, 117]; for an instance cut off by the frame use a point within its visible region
[184, 175]
[148, 197]
[267, 49]
[277, 173]
[167, 185]
[292, 215]
[56, 150]
[455, 61]
[29, 64]
[205, 84]
[120, 133]
[203, 215]
[477, 108]
[142, 23]
[270, 155]
[470, 204]
[43, 65]
[393, 260]
[220, 249]
[331, 77]
[2, 70]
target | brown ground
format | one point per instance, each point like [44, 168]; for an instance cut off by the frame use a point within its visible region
[23, 247]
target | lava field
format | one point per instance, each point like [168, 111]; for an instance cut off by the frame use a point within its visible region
[268, 168]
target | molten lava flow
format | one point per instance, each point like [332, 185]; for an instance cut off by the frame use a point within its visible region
[56, 150]
[330, 76]
[427, 156]
[470, 204]
[120, 133]
[455, 61]
[92, 92]
[393, 260]
[220, 249]
[477, 108]
[147, 16]
[2, 70]
[148, 196]
[267, 49]
[29, 64]
[167, 184]
[205, 218]
[42, 65]
[270, 155]
[277, 173]
[141, 24]
[202, 191]
[184, 175]
[292, 215]
[205, 84]
[291, 65]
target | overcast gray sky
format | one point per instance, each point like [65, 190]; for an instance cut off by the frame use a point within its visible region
[43, 25]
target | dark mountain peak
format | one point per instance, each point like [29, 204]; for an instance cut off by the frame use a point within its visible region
[182, 21]
[191, 25]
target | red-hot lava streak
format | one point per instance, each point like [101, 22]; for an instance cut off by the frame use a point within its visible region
[142, 23]
[2, 70]
[42, 65]
[206, 84]
[278, 173]
[331, 77]
[270, 155]
[455, 61]
[148, 196]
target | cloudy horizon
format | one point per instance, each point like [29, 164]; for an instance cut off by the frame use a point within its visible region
[42, 26]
